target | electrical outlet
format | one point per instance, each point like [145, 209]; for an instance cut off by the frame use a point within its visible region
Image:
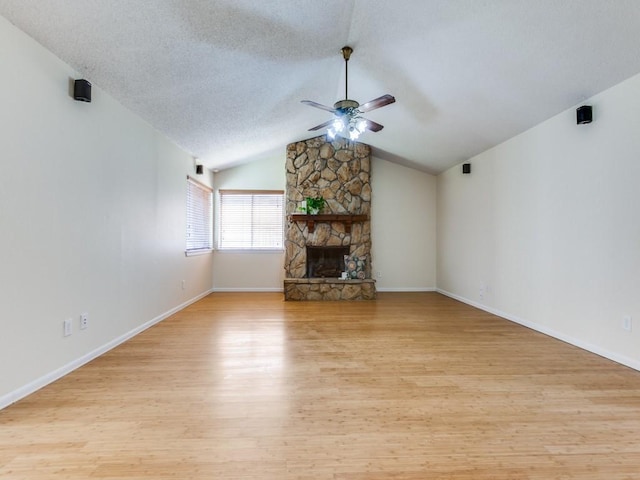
[84, 321]
[378, 274]
[184, 284]
[67, 327]
[626, 323]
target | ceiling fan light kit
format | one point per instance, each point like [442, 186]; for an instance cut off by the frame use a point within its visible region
[348, 119]
[354, 125]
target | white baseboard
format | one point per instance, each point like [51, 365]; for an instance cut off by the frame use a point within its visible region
[51, 377]
[622, 359]
[247, 289]
[405, 289]
[280, 290]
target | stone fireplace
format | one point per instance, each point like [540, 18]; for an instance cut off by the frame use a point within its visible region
[315, 245]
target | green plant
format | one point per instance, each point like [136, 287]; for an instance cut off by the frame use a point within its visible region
[313, 205]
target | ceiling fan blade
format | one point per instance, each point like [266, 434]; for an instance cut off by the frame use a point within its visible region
[318, 105]
[321, 126]
[377, 103]
[373, 126]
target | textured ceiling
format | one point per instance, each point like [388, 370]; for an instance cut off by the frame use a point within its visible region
[224, 78]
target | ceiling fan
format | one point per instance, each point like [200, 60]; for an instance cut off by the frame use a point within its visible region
[348, 119]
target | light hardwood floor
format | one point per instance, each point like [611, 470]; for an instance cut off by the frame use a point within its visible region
[409, 387]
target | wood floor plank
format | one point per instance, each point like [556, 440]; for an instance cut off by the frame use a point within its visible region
[409, 386]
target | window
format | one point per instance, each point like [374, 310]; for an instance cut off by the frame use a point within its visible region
[199, 217]
[251, 220]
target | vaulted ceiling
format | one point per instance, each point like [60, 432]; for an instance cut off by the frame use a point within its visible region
[224, 78]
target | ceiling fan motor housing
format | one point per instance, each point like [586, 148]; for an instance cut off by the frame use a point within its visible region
[346, 106]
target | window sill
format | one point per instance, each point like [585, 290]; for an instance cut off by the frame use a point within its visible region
[193, 253]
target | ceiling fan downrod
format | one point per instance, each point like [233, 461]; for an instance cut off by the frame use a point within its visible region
[346, 54]
[346, 106]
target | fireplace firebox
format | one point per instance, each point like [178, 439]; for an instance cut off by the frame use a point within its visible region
[325, 262]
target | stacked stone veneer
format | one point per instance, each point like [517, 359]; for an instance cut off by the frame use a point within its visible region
[339, 172]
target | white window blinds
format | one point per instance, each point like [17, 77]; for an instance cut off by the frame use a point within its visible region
[251, 220]
[199, 217]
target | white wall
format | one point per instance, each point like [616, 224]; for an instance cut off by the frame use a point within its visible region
[250, 271]
[92, 219]
[403, 224]
[403, 227]
[546, 229]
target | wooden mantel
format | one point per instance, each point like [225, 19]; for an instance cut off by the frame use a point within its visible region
[311, 220]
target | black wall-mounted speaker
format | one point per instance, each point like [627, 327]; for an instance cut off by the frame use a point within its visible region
[199, 170]
[584, 114]
[82, 90]
[466, 168]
